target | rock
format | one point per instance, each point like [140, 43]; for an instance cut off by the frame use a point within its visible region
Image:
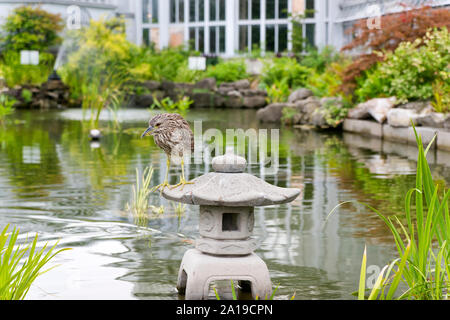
[359, 112]
[254, 102]
[337, 101]
[234, 99]
[417, 106]
[241, 84]
[203, 99]
[253, 92]
[183, 88]
[300, 94]
[144, 100]
[400, 117]
[54, 85]
[305, 109]
[318, 118]
[167, 86]
[207, 84]
[273, 112]
[224, 89]
[151, 85]
[433, 119]
[52, 94]
[376, 108]
[447, 123]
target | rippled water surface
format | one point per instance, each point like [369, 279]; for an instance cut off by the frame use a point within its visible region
[54, 181]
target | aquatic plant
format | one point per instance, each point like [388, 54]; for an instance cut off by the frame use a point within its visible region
[423, 264]
[139, 204]
[16, 278]
[98, 66]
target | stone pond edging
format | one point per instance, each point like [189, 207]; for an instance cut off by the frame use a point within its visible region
[400, 134]
[205, 94]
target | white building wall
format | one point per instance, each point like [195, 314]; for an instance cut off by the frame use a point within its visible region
[330, 18]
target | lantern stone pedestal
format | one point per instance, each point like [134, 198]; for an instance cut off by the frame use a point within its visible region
[224, 251]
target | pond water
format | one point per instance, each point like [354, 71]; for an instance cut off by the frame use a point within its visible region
[54, 181]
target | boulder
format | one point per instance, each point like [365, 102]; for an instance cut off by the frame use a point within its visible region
[253, 92]
[417, 106]
[207, 84]
[318, 118]
[234, 99]
[300, 94]
[241, 84]
[144, 101]
[273, 112]
[254, 102]
[337, 101]
[151, 85]
[203, 99]
[433, 119]
[376, 108]
[401, 117]
[167, 86]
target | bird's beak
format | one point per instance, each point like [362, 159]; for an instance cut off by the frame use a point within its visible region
[149, 130]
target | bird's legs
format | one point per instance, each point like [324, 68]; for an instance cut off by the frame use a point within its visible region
[166, 179]
[183, 181]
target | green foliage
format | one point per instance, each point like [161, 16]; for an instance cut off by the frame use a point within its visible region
[287, 69]
[410, 71]
[18, 74]
[168, 105]
[278, 92]
[227, 71]
[288, 115]
[26, 95]
[185, 75]
[441, 93]
[6, 106]
[16, 278]
[336, 111]
[167, 63]
[327, 83]
[31, 28]
[320, 60]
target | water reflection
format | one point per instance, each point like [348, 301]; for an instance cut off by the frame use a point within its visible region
[55, 182]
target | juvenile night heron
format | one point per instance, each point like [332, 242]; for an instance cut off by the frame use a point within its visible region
[171, 133]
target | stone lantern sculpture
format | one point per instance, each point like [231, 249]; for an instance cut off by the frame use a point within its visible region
[227, 198]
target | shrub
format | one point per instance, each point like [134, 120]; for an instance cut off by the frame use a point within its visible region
[278, 92]
[18, 74]
[287, 69]
[406, 26]
[320, 60]
[28, 28]
[410, 71]
[328, 83]
[31, 28]
[227, 71]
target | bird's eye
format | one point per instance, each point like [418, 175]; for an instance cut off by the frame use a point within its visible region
[158, 124]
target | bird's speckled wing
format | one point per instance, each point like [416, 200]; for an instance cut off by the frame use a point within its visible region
[181, 141]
